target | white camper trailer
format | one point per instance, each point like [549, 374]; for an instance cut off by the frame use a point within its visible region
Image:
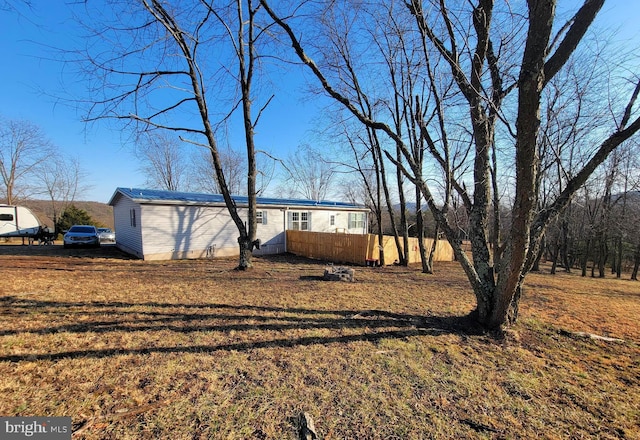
[18, 221]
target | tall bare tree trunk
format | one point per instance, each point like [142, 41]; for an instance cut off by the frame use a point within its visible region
[603, 256]
[434, 245]
[619, 255]
[424, 259]
[246, 60]
[536, 262]
[565, 244]
[404, 227]
[636, 263]
[554, 257]
[585, 257]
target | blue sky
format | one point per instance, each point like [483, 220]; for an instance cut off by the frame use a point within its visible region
[37, 87]
[30, 88]
[31, 83]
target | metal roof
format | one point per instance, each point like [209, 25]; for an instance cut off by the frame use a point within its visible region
[140, 195]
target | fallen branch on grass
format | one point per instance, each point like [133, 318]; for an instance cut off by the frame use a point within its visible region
[598, 337]
[591, 336]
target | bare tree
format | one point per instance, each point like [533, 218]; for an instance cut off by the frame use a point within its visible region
[606, 232]
[569, 115]
[186, 68]
[162, 161]
[481, 55]
[308, 174]
[367, 160]
[342, 41]
[23, 148]
[624, 227]
[202, 173]
[61, 180]
[369, 164]
[234, 165]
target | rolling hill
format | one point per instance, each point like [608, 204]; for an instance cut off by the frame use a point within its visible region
[101, 213]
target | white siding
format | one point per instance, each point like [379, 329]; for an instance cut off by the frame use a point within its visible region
[171, 232]
[321, 221]
[271, 235]
[174, 231]
[128, 237]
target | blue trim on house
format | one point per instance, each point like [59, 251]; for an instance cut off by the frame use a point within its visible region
[140, 195]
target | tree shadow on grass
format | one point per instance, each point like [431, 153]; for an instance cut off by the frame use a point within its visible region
[89, 317]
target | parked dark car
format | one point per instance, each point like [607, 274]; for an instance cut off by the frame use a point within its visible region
[106, 235]
[81, 235]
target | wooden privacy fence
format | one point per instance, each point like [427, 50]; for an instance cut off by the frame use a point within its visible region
[443, 252]
[357, 248]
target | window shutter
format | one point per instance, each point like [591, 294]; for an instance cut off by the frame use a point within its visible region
[309, 222]
[289, 219]
[264, 217]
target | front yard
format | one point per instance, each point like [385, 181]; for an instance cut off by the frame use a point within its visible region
[193, 349]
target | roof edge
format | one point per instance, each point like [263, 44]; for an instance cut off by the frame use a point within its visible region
[147, 196]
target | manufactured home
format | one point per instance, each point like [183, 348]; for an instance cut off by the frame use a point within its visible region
[165, 225]
[18, 221]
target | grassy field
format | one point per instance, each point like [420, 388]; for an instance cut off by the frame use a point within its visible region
[193, 349]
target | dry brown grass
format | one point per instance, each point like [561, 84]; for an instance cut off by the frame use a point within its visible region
[192, 349]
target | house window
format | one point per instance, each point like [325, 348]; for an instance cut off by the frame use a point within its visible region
[261, 217]
[300, 221]
[332, 220]
[356, 220]
[132, 217]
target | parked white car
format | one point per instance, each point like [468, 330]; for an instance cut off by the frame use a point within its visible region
[81, 235]
[106, 235]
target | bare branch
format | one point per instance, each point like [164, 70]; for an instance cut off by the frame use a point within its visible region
[629, 108]
[580, 23]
